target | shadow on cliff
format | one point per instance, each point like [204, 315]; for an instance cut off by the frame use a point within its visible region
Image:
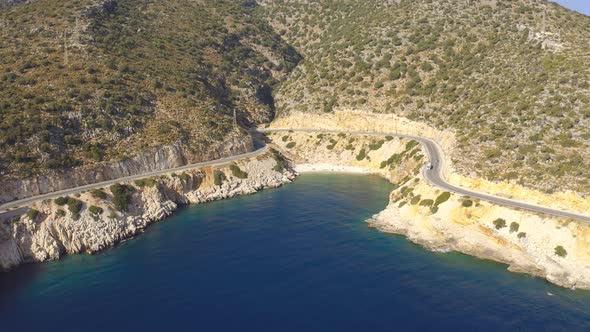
[14, 281]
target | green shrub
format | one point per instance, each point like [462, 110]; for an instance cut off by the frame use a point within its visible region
[521, 235]
[237, 172]
[98, 193]
[376, 145]
[415, 200]
[75, 206]
[32, 214]
[290, 145]
[383, 164]
[285, 138]
[184, 177]
[95, 210]
[388, 138]
[121, 196]
[500, 223]
[361, 155]
[560, 251]
[514, 226]
[434, 209]
[442, 198]
[281, 163]
[467, 203]
[14, 220]
[349, 147]
[149, 182]
[426, 202]
[218, 177]
[60, 213]
[411, 144]
[61, 201]
[402, 204]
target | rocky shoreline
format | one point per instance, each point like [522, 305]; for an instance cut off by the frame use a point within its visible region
[54, 230]
[549, 247]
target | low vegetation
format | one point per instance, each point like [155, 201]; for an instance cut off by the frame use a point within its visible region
[32, 214]
[237, 172]
[443, 197]
[149, 182]
[95, 210]
[361, 155]
[279, 159]
[560, 251]
[219, 177]
[499, 223]
[99, 194]
[121, 196]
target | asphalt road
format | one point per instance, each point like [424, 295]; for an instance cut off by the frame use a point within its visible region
[55, 194]
[434, 176]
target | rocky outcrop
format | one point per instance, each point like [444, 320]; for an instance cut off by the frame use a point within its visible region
[161, 158]
[56, 230]
[526, 242]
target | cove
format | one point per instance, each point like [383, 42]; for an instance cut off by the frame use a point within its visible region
[296, 258]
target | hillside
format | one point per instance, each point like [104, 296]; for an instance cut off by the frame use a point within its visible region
[87, 82]
[509, 77]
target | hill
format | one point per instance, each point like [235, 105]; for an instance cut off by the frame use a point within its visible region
[509, 77]
[87, 82]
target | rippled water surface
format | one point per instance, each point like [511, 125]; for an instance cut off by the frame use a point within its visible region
[297, 258]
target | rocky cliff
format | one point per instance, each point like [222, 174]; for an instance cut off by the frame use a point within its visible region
[362, 120]
[96, 220]
[550, 247]
[161, 158]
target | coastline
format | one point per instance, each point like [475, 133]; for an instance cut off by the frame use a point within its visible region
[90, 223]
[323, 167]
[553, 248]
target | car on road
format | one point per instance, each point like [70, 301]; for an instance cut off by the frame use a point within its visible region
[429, 166]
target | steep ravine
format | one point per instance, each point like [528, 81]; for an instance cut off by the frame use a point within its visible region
[549, 247]
[58, 229]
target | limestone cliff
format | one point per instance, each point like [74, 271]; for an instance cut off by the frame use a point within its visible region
[357, 120]
[550, 247]
[57, 229]
[161, 158]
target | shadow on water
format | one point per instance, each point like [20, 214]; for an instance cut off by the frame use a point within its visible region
[13, 281]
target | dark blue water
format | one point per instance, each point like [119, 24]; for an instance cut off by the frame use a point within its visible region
[298, 258]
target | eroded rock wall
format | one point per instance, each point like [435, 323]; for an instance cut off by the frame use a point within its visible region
[164, 157]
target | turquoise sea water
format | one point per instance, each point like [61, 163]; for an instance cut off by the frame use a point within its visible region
[297, 258]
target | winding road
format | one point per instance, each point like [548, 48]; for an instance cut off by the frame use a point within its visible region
[433, 176]
[218, 162]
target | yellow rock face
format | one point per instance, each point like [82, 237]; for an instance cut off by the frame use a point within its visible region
[528, 247]
[582, 245]
[348, 119]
